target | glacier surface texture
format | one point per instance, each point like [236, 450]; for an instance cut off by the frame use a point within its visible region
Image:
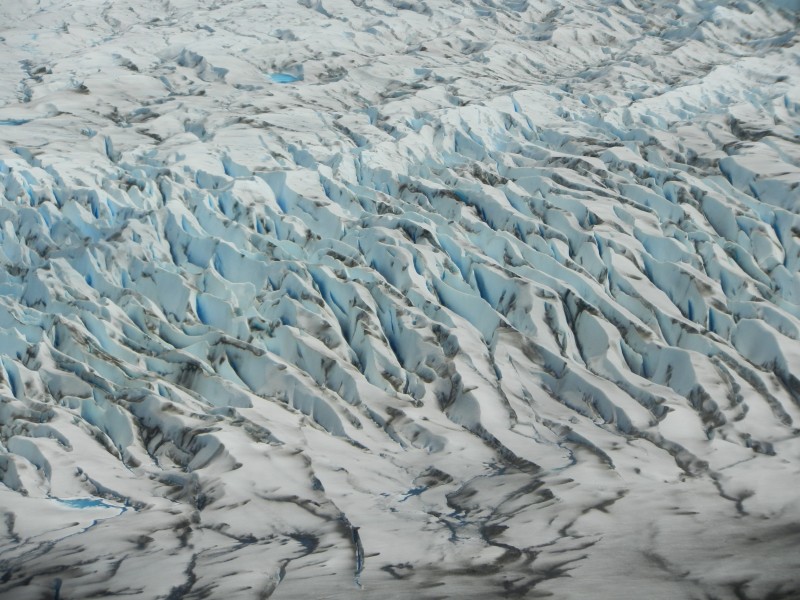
[399, 299]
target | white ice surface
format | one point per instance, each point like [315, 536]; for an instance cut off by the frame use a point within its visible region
[399, 299]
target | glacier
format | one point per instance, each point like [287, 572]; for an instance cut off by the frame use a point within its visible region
[399, 299]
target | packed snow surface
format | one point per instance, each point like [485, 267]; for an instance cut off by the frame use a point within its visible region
[399, 299]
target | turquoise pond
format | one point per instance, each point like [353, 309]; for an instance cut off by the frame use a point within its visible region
[283, 78]
[85, 503]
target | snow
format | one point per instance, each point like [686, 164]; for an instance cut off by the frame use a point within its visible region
[393, 299]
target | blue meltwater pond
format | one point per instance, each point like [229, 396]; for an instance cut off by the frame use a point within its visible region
[86, 503]
[283, 78]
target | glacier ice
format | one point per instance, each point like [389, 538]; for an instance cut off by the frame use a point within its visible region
[390, 299]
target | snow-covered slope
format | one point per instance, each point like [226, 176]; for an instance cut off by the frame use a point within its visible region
[399, 299]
